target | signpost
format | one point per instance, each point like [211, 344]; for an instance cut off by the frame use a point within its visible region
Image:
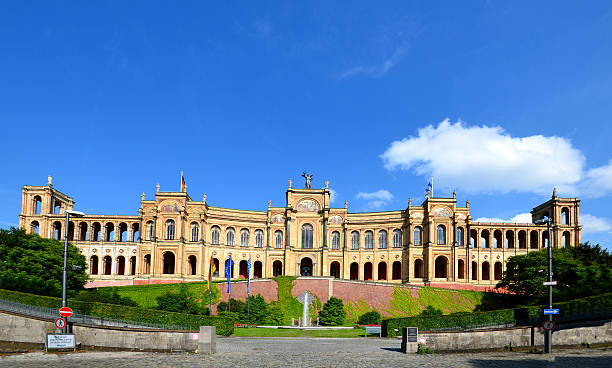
[551, 311]
[549, 283]
[60, 323]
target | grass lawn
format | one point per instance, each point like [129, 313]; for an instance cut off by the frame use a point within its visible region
[273, 332]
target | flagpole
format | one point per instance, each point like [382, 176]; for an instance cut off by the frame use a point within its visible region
[249, 293]
[210, 264]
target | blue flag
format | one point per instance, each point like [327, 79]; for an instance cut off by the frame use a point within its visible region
[249, 276]
[228, 272]
[430, 187]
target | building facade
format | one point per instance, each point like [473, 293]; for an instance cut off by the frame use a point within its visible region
[173, 238]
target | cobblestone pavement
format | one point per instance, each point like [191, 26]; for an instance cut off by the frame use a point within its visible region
[310, 352]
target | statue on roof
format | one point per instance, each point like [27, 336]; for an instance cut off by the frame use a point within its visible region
[308, 179]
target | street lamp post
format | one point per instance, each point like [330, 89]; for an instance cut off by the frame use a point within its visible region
[548, 336]
[65, 268]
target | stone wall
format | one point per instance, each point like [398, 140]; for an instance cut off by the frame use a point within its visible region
[30, 330]
[516, 337]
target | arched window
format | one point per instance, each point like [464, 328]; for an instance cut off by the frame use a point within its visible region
[566, 239]
[460, 236]
[259, 238]
[355, 240]
[244, 238]
[147, 264]
[441, 235]
[564, 216]
[368, 240]
[195, 231]
[335, 241]
[37, 203]
[307, 236]
[382, 239]
[34, 227]
[229, 236]
[150, 230]
[192, 262]
[484, 239]
[215, 235]
[278, 239]
[417, 235]
[397, 238]
[168, 261]
[170, 227]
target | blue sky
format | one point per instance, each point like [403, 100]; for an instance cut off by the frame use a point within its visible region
[501, 101]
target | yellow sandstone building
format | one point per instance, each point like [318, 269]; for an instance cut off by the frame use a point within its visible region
[173, 237]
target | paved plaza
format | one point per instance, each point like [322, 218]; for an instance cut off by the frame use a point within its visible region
[310, 352]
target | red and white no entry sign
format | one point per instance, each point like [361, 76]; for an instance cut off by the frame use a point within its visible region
[60, 323]
[65, 312]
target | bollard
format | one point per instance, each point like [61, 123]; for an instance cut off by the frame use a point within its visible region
[207, 343]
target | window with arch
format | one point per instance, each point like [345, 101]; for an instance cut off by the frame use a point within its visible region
[170, 229]
[440, 235]
[565, 216]
[244, 238]
[229, 236]
[417, 235]
[37, 204]
[460, 236]
[278, 239]
[150, 230]
[355, 240]
[195, 231]
[307, 236]
[215, 235]
[368, 240]
[335, 240]
[259, 235]
[397, 238]
[382, 239]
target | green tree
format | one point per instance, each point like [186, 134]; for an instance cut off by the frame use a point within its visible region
[31, 264]
[580, 271]
[333, 313]
[180, 301]
[258, 309]
[370, 318]
[430, 311]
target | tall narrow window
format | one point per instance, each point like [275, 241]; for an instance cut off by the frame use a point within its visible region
[170, 227]
[440, 235]
[215, 235]
[278, 239]
[259, 238]
[355, 240]
[417, 235]
[460, 236]
[382, 239]
[397, 238]
[307, 236]
[335, 240]
[368, 240]
[195, 231]
[229, 236]
[149, 230]
[244, 238]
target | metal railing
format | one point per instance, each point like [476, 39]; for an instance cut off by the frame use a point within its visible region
[80, 318]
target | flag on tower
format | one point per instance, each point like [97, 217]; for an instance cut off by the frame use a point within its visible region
[183, 186]
[211, 272]
[228, 272]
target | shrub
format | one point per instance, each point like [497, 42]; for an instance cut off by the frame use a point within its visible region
[275, 315]
[180, 302]
[370, 318]
[104, 295]
[256, 312]
[333, 313]
[431, 311]
[235, 304]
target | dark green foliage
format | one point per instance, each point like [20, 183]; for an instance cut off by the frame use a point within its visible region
[422, 350]
[235, 304]
[275, 315]
[430, 311]
[181, 302]
[370, 318]
[573, 269]
[107, 295]
[258, 311]
[333, 313]
[32, 264]
[225, 326]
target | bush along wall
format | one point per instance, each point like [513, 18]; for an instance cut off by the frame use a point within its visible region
[224, 325]
[590, 308]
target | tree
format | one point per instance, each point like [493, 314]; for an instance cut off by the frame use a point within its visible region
[180, 301]
[430, 311]
[370, 318]
[580, 271]
[258, 310]
[31, 264]
[333, 313]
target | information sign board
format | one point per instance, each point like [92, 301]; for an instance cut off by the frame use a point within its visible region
[64, 341]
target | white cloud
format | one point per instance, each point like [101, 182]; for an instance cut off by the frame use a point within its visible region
[598, 181]
[377, 70]
[593, 224]
[487, 159]
[376, 200]
[332, 196]
[520, 218]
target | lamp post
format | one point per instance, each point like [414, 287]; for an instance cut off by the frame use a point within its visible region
[65, 268]
[548, 337]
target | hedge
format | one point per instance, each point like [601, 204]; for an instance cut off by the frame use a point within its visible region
[224, 325]
[464, 320]
[593, 307]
